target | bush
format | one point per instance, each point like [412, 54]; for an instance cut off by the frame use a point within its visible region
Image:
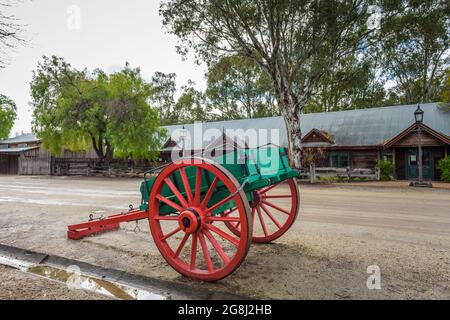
[386, 170]
[444, 166]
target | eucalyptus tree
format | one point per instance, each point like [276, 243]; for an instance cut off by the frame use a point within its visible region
[295, 42]
[415, 48]
[11, 31]
[163, 95]
[8, 113]
[237, 88]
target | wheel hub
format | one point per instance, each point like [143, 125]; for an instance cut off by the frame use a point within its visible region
[189, 221]
[256, 199]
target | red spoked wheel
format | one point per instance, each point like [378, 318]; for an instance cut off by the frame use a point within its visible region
[274, 211]
[187, 238]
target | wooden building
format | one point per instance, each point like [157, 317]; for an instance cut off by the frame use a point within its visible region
[23, 155]
[355, 139]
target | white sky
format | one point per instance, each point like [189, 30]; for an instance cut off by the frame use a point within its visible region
[111, 32]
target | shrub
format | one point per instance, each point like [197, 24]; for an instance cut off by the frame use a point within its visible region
[444, 166]
[386, 170]
[327, 179]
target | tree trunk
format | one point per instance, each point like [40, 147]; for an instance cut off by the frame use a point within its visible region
[109, 154]
[290, 104]
[98, 147]
[294, 132]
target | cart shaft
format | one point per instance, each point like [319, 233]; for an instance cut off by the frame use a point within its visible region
[81, 230]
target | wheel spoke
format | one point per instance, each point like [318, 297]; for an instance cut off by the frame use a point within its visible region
[194, 251]
[217, 246]
[187, 186]
[261, 220]
[270, 204]
[223, 234]
[181, 246]
[169, 203]
[278, 196]
[166, 218]
[239, 222]
[271, 216]
[198, 185]
[210, 192]
[171, 234]
[220, 203]
[269, 188]
[230, 212]
[176, 192]
[229, 219]
[205, 252]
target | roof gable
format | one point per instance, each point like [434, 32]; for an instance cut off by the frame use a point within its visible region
[429, 137]
[316, 135]
[225, 142]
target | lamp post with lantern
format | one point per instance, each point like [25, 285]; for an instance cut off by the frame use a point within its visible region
[183, 135]
[418, 115]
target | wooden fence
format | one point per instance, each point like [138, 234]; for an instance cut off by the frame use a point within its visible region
[346, 174]
[96, 168]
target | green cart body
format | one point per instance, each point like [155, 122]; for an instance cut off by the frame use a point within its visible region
[253, 169]
[202, 210]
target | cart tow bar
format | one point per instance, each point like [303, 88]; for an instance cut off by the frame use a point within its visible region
[100, 225]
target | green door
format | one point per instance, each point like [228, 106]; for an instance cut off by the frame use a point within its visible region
[412, 164]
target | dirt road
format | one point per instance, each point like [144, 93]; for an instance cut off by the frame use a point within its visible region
[341, 231]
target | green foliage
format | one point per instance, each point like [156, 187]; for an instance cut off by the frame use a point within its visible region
[444, 166]
[352, 84]
[8, 113]
[445, 93]
[294, 42]
[415, 47]
[80, 110]
[386, 170]
[190, 106]
[327, 179]
[238, 88]
[163, 92]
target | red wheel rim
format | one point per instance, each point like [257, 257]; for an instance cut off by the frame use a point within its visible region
[187, 239]
[274, 212]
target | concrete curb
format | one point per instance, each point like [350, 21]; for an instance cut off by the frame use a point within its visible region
[170, 290]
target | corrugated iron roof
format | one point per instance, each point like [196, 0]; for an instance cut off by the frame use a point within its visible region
[16, 150]
[29, 137]
[362, 127]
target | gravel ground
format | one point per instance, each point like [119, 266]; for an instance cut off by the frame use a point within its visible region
[17, 285]
[341, 231]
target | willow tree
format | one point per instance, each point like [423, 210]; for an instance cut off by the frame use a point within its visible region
[295, 42]
[82, 110]
[8, 113]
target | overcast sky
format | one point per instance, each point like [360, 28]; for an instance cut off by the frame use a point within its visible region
[109, 34]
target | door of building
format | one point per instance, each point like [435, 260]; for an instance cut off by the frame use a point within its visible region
[412, 164]
[9, 164]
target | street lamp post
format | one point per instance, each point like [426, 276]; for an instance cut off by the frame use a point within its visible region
[183, 134]
[418, 115]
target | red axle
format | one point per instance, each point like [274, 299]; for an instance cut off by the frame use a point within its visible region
[78, 231]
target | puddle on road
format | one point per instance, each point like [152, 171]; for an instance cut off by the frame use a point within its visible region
[75, 280]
